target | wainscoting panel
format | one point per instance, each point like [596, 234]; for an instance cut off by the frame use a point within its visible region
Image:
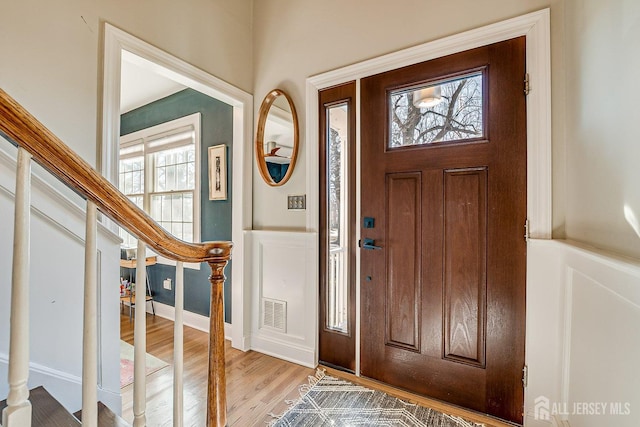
[583, 339]
[602, 342]
[285, 271]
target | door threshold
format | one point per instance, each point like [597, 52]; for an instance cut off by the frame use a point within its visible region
[336, 367]
[438, 405]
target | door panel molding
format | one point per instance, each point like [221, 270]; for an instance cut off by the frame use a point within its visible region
[402, 238]
[465, 265]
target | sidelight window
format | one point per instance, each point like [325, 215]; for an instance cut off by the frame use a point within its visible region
[337, 295]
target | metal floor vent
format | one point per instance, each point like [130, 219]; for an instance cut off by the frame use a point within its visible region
[274, 314]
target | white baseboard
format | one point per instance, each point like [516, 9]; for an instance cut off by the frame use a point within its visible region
[193, 320]
[64, 387]
[268, 345]
[554, 421]
[284, 350]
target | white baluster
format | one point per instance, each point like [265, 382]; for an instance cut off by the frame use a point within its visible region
[18, 410]
[90, 329]
[140, 340]
[178, 348]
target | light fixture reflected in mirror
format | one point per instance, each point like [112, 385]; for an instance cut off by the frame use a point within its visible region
[271, 145]
[427, 97]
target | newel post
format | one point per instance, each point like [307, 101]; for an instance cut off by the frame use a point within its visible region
[217, 387]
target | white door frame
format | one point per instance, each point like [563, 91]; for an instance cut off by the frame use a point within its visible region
[115, 41]
[536, 28]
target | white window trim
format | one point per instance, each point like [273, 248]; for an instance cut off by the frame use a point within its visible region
[143, 136]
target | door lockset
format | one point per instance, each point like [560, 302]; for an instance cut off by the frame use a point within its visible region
[369, 244]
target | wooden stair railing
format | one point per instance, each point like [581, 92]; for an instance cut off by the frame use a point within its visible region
[35, 141]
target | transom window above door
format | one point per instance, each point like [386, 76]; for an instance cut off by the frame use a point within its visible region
[158, 170]
[449, 110]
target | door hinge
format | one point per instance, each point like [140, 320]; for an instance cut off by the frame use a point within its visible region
[525, 376]
[526, 230]
[527, 87]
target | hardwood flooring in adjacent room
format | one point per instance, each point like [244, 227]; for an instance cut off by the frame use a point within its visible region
[256, 384]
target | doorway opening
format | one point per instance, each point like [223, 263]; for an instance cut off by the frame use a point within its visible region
[174, 77]
[535, 27]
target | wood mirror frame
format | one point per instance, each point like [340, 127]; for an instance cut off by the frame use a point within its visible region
[264, 115]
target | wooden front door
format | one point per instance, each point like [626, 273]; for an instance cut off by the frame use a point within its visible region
[443, 213]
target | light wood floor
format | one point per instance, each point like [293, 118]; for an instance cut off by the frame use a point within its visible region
[257, 384]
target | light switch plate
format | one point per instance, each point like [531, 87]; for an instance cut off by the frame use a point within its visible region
[298, 202]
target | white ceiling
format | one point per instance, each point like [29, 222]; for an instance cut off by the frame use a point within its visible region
[140, 84]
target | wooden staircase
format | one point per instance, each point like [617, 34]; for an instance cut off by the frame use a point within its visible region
[106, 417]
[48, 412]
[23, 408]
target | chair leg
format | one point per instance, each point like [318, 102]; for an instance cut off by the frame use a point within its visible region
[153, 309]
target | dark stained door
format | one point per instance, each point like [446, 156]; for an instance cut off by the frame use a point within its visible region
[443, 281]
[337, 155]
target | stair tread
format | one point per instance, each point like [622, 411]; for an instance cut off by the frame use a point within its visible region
[47, 411]
[106, 417]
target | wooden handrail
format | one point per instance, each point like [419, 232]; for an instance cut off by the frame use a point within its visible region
[24, 130]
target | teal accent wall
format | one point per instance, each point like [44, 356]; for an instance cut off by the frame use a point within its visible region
[216, 128]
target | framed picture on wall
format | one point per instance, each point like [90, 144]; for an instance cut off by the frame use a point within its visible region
[218, 172]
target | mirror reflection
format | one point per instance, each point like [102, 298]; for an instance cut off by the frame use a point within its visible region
[277, 139]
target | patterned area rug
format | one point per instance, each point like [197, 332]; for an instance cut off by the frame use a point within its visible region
[329, 401]
[153, 364]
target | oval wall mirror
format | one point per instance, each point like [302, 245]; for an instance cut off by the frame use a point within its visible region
[277, 138]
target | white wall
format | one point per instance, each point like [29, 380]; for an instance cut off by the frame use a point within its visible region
[594, 89]
[603, 148]
[56, 291]
[583, 342]
[51, 52]
[294, 40]
[51, 64]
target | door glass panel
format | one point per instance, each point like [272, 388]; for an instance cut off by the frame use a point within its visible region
[447, 111]
[337, 314]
